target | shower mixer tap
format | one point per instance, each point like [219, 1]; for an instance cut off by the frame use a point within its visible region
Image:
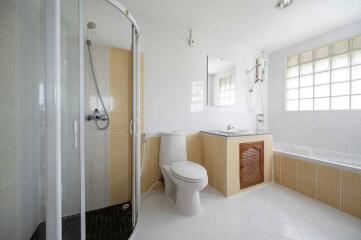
[97, 116]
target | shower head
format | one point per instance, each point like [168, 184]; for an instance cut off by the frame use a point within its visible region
[91, 25]
[281, 4]
[254, 83]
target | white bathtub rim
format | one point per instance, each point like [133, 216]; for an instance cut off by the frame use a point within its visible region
[313, 159]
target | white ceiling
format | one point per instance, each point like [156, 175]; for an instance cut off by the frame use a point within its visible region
[254, 23]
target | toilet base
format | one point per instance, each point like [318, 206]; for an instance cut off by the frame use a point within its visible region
[188, 203]
[185, 195]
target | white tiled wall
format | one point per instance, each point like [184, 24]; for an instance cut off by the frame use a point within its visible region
[96, 141]
[333, 130]
[172, 68]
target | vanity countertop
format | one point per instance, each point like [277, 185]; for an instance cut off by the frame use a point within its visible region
[236, 134]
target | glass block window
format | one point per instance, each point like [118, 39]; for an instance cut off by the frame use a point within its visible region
[326, 78]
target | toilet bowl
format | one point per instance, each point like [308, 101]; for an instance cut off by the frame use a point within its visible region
[183, 179]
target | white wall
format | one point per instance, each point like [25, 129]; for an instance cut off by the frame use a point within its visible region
[171, 67]
[334, 130]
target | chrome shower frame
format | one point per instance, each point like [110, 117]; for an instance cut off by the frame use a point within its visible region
[135, 122]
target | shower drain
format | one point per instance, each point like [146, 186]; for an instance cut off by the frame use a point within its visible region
[125, 206]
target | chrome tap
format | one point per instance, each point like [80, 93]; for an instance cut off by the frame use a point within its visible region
[230, 127]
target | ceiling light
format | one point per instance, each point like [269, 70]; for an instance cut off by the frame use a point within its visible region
[281, 4]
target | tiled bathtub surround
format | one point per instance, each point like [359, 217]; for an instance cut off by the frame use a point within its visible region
[333, 186]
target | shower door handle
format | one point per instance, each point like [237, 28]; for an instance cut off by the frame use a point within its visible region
[131, 127]
[75, 128]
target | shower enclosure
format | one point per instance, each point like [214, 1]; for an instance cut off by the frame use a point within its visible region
[42, 100]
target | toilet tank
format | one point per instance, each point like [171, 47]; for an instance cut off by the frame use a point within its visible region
[172, 148]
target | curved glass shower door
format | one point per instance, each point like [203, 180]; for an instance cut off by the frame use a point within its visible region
[108, 152]
[42, 98]
[111, 153]
[70, 119]
[104, 186]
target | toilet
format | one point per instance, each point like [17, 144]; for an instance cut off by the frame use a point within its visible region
[183, 179]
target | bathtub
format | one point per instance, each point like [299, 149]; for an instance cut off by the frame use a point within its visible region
[341, 160]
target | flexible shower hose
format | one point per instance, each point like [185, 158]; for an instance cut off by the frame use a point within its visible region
[98, 92]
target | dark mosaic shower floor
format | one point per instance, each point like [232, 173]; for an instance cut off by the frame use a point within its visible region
[106, 223]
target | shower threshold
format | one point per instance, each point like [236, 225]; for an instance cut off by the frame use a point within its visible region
[114, 222]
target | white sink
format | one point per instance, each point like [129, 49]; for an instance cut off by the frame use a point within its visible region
[236, 131]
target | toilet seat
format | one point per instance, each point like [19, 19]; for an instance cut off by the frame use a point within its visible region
[189, 171]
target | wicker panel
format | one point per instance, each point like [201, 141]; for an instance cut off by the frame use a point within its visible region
[251, 163]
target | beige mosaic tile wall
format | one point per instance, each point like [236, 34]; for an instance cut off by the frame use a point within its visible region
[214, 158]
[120, 141]
[220, 156]
[194, 148]
[150, 163]
[335, 187]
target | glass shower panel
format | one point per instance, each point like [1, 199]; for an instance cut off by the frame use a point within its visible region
[22, 106]
[70, 102]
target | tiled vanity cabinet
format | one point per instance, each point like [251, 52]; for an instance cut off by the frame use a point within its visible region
[235, 163]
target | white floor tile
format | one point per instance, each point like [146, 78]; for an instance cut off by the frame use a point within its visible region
[287, 230]
[270, 212]
[238, 233]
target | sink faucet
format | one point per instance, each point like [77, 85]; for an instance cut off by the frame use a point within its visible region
[230, 127]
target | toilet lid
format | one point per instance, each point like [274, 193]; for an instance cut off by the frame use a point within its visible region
[189, 171]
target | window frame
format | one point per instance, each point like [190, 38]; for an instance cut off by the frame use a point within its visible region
[330, 56]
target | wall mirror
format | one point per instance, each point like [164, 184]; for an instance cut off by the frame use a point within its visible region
[221, 82]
